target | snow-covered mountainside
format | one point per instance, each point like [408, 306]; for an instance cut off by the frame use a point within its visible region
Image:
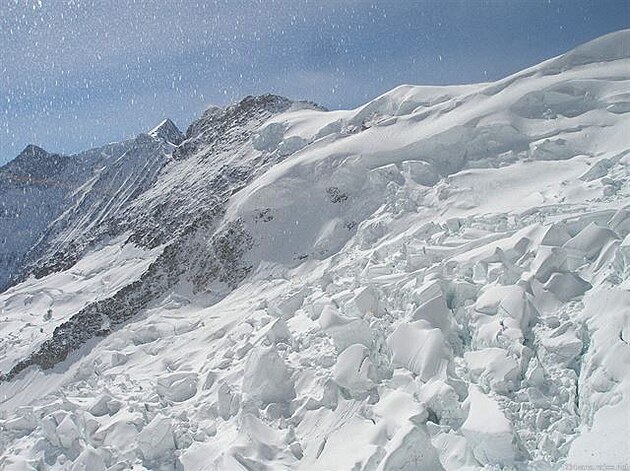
[436, 280]
[53, 206]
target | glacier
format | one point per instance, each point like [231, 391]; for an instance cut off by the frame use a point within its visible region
[438, 279]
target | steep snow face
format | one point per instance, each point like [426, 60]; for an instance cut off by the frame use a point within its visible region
[181, 210]
[343, 165]
[435, 280]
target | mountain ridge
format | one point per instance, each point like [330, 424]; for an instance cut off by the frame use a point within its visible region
[286, 276]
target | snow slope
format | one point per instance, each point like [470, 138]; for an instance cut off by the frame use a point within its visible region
[435, 280]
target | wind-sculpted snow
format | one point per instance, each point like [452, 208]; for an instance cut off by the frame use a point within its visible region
[435, 280]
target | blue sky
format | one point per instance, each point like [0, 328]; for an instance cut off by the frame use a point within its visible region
[77, 74]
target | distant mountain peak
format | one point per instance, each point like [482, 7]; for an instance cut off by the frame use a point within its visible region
[34, 159]
[267, 101]
[32, 150]
[167, 131]
[249, 105]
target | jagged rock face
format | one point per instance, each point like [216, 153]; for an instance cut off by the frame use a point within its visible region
[79, 194]
[168, 132]
[34, 189]
[125, 197]
[441, 274]
[213, 163]
[115, 189]
[219, 129]
[89, 211]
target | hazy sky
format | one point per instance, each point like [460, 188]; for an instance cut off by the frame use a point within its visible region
[76, 74]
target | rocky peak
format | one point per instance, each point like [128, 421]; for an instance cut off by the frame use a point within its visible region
[223, 126]
[33, 151]
[245, 109]
[34, 161]
[266, 102]
[168, 132]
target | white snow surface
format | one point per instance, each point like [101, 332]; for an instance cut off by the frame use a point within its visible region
[30, 311]
[439, 280]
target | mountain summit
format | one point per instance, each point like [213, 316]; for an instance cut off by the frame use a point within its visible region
[168, 132]
[440, 274]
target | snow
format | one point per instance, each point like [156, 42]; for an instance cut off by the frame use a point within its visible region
[489, 430]
[435, 280]
[494, 368]
[605, 391]
[156, 440]
[420, 349]
[354, 370]
[30, 311]
[567, 286]
[344, 331]
[267, 378]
